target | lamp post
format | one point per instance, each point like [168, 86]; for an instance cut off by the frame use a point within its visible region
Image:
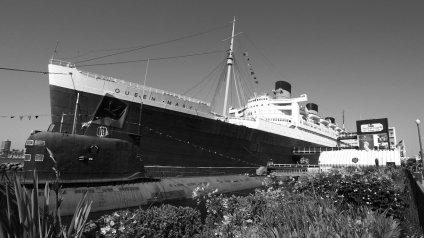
[421, 145]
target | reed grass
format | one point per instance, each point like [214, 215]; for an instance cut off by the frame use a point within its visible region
[29, 213]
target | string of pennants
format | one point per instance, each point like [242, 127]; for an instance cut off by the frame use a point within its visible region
[36, 116]
[249, 65]
[200, 147]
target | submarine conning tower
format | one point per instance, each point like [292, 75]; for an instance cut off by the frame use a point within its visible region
[312, 108]
[282, 89]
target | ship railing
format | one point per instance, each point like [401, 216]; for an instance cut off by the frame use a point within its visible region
[294, 165]
[242, 118]
[314, 150]
[291, 169]
[62, 63]
[347, 136]
[279, 170]
[130, 84]
[319, 127]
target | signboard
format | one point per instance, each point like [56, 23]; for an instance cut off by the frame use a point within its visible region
[373, 134]
[373, 127]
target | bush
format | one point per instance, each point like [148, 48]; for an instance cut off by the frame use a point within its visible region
[163, 221]
[278, 213]
[374, 188]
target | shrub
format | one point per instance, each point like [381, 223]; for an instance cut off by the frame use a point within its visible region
[28, 214]
[373, 188]
[163, 221]
[278, 213]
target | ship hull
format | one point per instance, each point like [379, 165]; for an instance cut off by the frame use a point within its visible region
[174, 143]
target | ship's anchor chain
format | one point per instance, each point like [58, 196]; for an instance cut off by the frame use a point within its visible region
[199, 147]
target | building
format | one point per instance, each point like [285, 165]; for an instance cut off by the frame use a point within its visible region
[392, 138]
[5, 146]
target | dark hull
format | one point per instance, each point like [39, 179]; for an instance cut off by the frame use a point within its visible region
[172, 138]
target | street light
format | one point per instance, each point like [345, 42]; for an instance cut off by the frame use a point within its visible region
[421, 145]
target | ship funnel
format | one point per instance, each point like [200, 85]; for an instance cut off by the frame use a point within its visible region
[312, 108]
[282, 89]
[330, 119]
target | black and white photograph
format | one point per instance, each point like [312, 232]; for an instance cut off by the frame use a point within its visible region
[235, 118]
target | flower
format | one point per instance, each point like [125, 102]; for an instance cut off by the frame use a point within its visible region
[104, 230]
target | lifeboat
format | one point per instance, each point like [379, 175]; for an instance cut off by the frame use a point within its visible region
[324, 122]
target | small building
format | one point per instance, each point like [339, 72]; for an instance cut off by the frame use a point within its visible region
[363, 158]
[5, 146]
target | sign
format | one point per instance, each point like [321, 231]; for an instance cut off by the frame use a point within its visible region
[373, 134]
[376, 127]
[372, 126]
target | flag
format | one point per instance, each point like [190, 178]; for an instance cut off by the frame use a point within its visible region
[400, 145]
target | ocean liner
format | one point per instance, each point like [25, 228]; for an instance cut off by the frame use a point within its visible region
[103, 127]
[127, 144]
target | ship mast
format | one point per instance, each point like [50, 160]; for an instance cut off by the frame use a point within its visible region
[229, 66]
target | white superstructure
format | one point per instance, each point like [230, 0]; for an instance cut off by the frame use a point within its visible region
[285, 116]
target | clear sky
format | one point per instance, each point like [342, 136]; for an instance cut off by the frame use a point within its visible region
[363, 57]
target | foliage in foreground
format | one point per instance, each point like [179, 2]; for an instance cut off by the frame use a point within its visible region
[280, 210]
[378, 189]
[29, 212]
[163, 221]
[276, 213]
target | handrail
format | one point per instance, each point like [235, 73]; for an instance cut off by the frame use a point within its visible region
[294, 165]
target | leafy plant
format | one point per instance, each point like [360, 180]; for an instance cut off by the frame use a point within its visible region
[163, 221]
[29, 213]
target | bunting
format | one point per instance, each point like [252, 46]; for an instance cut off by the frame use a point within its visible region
[249, 65]
[36, 116]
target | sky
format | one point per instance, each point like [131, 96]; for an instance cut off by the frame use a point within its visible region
[365, 58]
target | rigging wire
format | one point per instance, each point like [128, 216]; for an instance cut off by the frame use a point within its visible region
[150, 59]
[271, 65]
[208, 76]
[242, 93]
[239, 80]
[244, 84]
[28, 71]
[218, 87]
[236, 87]
[128, 50]
[214, 81]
